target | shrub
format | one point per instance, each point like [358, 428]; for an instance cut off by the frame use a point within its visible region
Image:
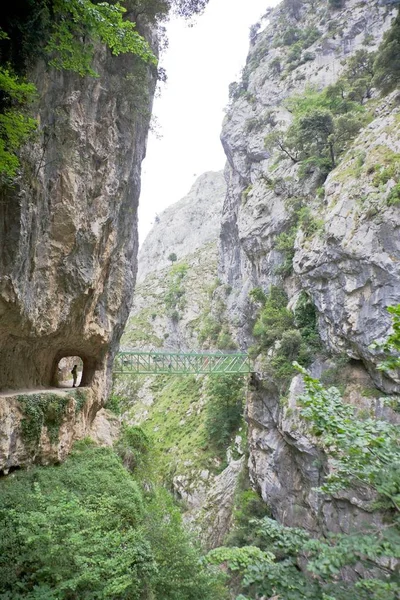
[394, 196]
[83, 530]
[225, 400]
[387, 63]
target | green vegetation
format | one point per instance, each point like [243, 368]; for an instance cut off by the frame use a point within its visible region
[174, 298]
[301, 218]
[391, 347]
[215, 332]
[54, 29]
[87, 529]
[387, 63]
[213, 325]
[284, 335]
[15, 125]
[46, 410]
[175, 423]
[224, 410]
[365, 453]
[139, 329]
[64, 33]
[324, 123]
[394, 196]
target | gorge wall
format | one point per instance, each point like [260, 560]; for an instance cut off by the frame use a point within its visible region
[344, 254]
[68, 230]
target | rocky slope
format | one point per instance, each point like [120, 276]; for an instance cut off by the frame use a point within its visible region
[347, 262]
[172, 299]
[69, 227]
[186, 226]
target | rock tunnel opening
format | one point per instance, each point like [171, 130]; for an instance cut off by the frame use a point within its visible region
[69, 371]
[64, 365]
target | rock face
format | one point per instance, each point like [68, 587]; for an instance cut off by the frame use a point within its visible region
[69, 227]
[352, 268]
[41, 426]
[348, 266]
[185, 226]
[172, 298]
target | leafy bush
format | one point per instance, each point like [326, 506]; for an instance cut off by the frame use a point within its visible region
[364, 453]
[174, 298]
[274, 318]
[15, 125]
[286, 336]
[225, 402]
[394, 196]
[387, 63]
[84, 530]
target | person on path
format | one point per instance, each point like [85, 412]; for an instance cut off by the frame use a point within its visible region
[74, 374]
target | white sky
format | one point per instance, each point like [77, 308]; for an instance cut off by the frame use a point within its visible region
[201, 62]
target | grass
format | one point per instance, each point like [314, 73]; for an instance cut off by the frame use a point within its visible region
[176, 425]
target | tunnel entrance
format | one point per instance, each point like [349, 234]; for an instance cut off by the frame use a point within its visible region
[67, 375]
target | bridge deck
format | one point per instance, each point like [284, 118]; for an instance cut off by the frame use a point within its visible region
[180, 363]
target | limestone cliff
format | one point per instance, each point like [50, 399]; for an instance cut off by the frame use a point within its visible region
[345, 255]
[68, 227]
[186, 226]
[172, 299]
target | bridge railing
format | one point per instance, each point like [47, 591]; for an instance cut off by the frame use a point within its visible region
[180, 363]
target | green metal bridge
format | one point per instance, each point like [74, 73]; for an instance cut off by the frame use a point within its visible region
[132, 362]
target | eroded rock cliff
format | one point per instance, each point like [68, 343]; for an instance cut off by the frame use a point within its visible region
[68, 227]
[344, 256]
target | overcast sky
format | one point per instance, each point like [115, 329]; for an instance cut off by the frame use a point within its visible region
[201, 62]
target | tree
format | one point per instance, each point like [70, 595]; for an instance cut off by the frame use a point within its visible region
[172, 257]
[359, 75]
[323, 125]
[387, 63]
[86, 530]
[225, 398]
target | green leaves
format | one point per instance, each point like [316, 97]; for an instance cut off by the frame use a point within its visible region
[364, 452]
[387, 63]
[69, 38]
[224, 410]
[103, 22]
[84, 530]
[15, 125]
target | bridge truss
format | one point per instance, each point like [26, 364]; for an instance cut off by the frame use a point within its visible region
[180, 363]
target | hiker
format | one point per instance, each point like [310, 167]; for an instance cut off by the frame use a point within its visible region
[75, 374]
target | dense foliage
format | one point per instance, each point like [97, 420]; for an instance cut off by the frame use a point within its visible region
[364, 454]
[86, 530]
[284, 335]
[224, 411]
[387, 64]
[391, 346]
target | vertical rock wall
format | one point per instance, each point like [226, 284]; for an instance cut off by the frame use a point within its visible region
[68, 228]
[349, 268]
